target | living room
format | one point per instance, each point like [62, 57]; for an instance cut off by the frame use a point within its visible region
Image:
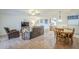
[35, 28]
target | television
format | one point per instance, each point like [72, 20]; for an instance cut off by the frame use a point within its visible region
[23, 24]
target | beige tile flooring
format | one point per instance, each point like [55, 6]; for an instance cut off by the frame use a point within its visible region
[46, 41]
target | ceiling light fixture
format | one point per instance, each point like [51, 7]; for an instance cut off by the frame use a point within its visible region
[34, 12]
[60, 20]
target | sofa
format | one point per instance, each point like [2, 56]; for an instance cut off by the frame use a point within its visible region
[36, 31]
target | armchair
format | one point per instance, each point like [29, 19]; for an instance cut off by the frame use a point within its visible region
[12, 33]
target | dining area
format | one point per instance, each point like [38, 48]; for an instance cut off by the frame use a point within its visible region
[64, 36]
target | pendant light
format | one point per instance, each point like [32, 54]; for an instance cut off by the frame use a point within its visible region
[60, 20]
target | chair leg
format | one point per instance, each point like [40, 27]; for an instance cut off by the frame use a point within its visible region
[71, 41]
[9, 38]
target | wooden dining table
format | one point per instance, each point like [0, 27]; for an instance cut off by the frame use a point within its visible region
[64, 33]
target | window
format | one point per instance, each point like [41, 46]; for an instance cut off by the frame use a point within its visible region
[46, 21]
[73, 17]
[73, 20]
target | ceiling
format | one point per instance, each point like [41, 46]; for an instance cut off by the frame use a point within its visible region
[43, 12]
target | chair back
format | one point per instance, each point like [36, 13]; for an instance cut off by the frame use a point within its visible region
[7, 29]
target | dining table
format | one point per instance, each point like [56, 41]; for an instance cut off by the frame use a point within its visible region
[65, 34]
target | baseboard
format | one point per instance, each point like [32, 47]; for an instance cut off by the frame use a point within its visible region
[77, 36]
[3, 35]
